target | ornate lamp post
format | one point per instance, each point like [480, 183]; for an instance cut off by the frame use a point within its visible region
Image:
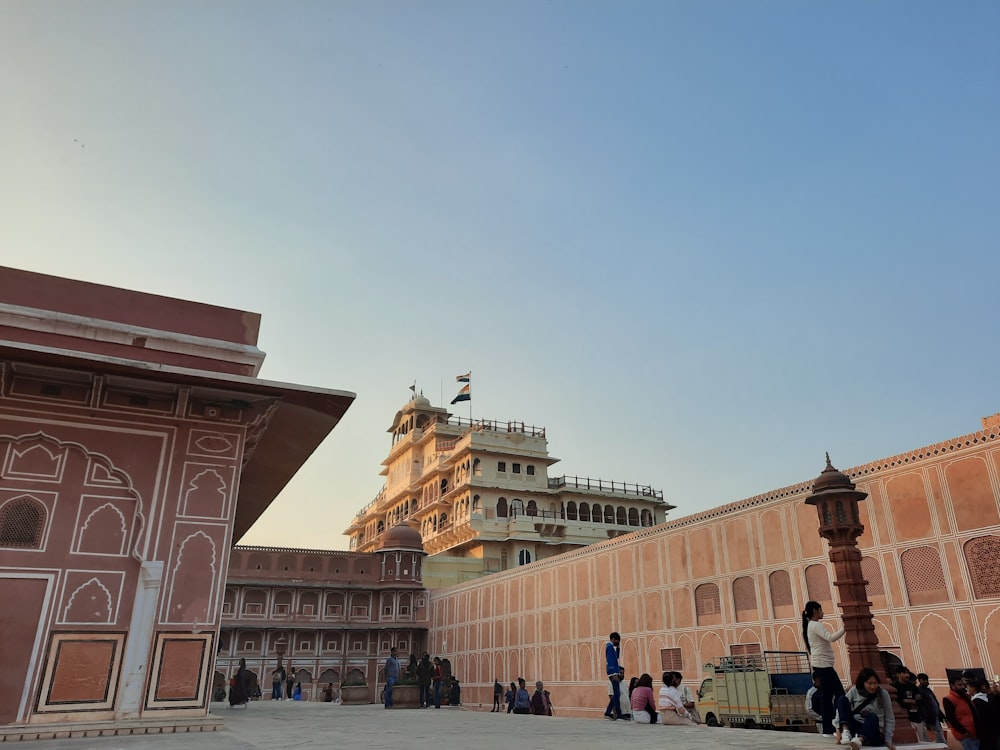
[836, 499]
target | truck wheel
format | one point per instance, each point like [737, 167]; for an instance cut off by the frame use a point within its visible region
[712, 721]
[749, 724]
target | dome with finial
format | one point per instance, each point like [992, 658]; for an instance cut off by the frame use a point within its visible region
[402, 536]
[831, 479]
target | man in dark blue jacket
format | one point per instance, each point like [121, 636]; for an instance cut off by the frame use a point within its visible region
[612, 650]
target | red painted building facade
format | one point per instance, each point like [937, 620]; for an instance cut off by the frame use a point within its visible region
[136, 444]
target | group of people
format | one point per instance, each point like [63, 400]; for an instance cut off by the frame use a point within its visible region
[519, 701]
[433, 676]
[284, 685]
[863, 715]
[674, 703]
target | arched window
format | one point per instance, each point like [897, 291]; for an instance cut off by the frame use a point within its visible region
[647, 517]
[745, 599]
[571, 510]
[981, 555]
[524, 557]
[476, 503]
[781, 593]
[532, 509]
[502, 507]
[633, 516]
[924, 576]
[609, 514]
[517, 507]
[584, 512]
[22, 522]
[621, 516]
[706, 602]
[818, 584]
[477, 469]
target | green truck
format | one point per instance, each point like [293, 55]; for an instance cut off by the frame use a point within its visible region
[765, 690]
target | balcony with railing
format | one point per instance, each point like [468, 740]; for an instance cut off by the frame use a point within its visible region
[605, 487]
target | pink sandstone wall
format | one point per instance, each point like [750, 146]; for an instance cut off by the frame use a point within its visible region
[693, 589]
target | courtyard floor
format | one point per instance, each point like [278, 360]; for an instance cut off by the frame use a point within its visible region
[288, 725]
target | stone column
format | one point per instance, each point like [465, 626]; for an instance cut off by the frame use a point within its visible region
[836, 500]
[135, 666]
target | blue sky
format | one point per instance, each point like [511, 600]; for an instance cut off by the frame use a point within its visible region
[700, 242]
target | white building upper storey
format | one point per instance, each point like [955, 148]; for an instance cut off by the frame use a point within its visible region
[481, 490]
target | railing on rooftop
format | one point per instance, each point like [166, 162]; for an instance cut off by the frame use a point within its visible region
[493, 425]
[601, 485]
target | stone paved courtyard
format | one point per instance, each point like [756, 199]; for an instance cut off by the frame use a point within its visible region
[287, 725]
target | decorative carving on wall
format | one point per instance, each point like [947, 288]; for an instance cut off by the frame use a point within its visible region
[213, 444]
[89, 602]
[206, 490]
[35, 461]
[103, 527]
[193, 585]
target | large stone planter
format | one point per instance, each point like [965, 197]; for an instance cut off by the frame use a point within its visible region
[406, 696]
[353, 695]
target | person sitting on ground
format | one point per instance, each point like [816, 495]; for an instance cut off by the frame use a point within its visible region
[672, 711]
[643, 703]
[813, 701]
[864, 714]
[687, 698]
[328, 693]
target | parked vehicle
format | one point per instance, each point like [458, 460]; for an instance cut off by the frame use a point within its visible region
[757, 690]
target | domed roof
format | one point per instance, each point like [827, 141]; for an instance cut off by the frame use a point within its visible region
[420, 402]
[402, 536]
[831, 479]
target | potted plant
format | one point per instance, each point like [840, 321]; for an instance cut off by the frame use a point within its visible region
[406, 693]
[354, 689]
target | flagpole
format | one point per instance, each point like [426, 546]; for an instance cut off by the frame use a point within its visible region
[470, 399]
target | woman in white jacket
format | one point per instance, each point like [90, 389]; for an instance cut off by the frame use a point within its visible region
[818, 641]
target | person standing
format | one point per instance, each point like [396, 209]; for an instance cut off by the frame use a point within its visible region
[497, 694]
[522, 701]
[391, 675]
[290, 682]
[987, 709]
[931, 706]
[425, 673]
[818, 640]
[438, 680]
[509, 696]
[612, 654]
[277, 683]
[909, 697]
[540, 704]
[238, 689]
[960, 714]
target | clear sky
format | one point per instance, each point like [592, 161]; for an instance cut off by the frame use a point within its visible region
[700, 242]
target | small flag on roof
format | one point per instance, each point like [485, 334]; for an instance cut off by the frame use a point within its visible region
[465, 394]
[467, 378]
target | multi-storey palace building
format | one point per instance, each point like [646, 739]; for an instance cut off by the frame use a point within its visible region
[329, 615]
[481, 491]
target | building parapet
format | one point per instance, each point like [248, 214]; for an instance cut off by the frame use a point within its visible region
[604, 486]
